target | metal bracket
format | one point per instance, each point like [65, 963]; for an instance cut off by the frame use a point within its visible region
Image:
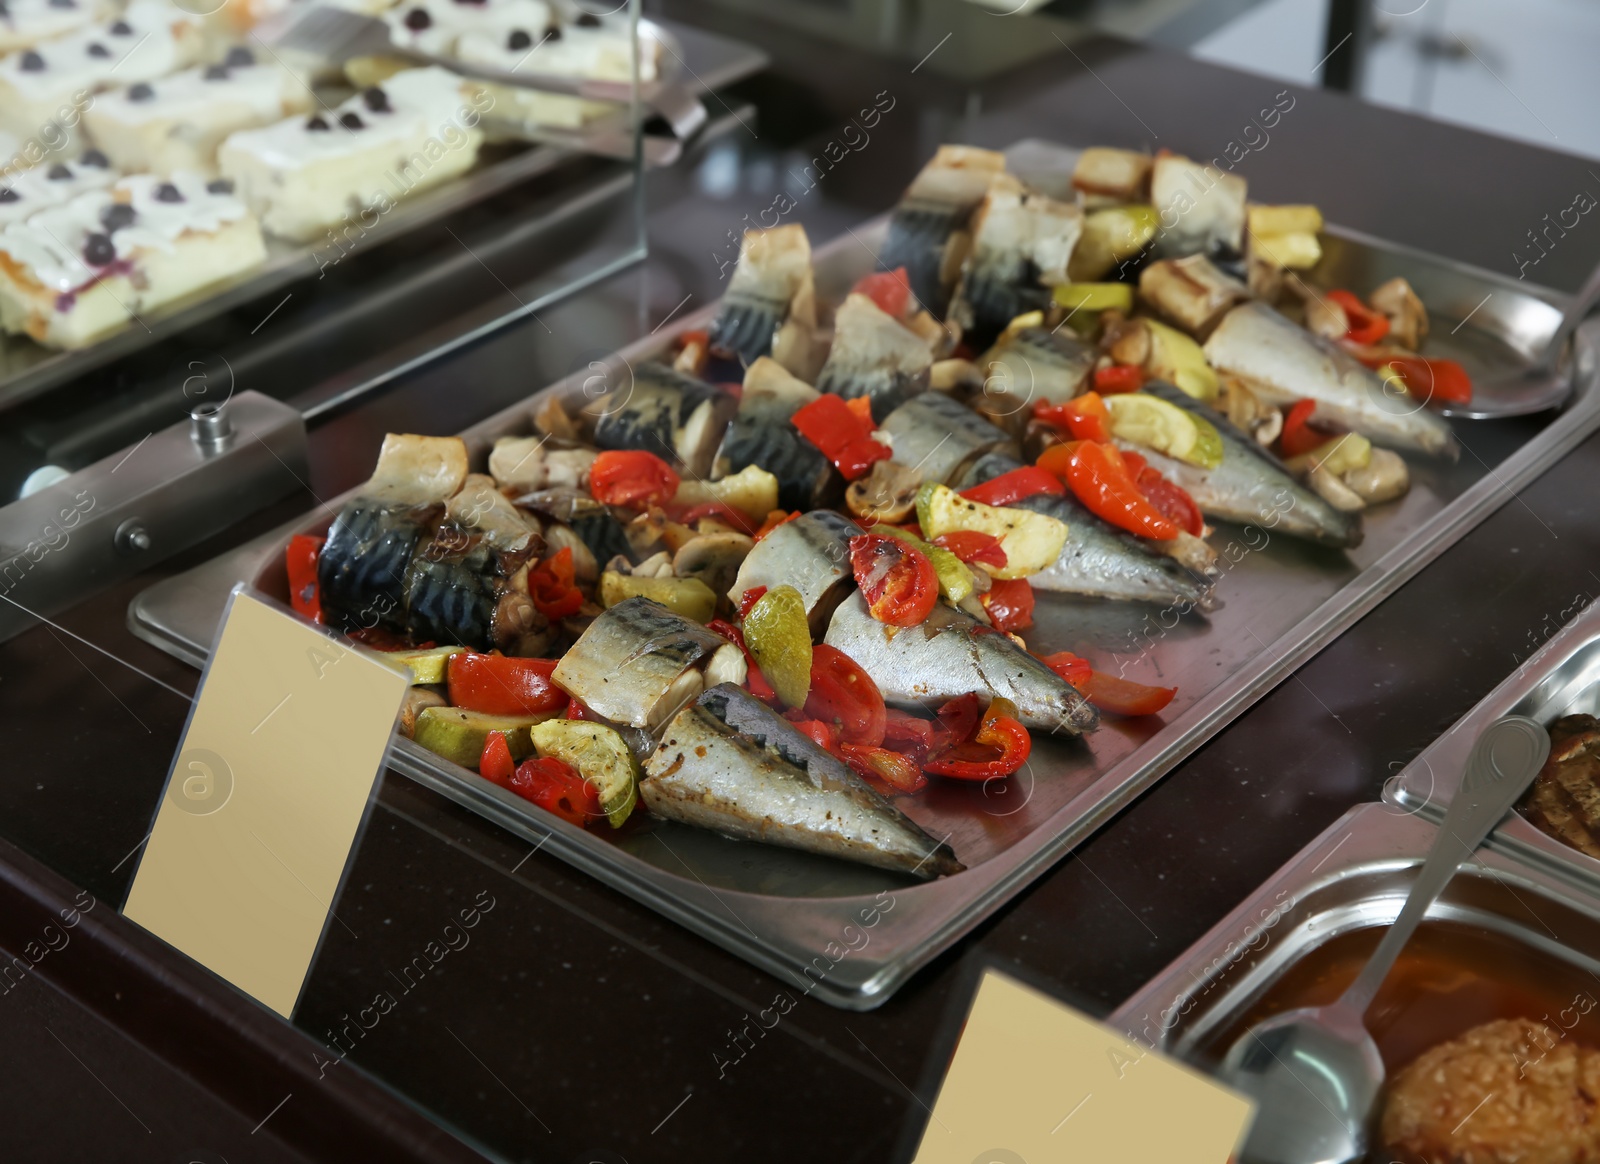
[119, 516]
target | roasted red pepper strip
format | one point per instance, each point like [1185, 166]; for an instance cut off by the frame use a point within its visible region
[754, 681]
[1009, 488]
[1073, 668]
[840, 434]
[1172, 500]
[824, 735]
[1100, 480]
[1429, 379]
[1085, 417]
[774, 519]
[557, 788]
[889, 772]
[1118, 378]
[720, 510]
[496, 764]
[1000, 746]
[959, 716]
[497, 685]
[1298, 436]
[1366, 325]
[301, 561]
[896, 579]
[632, 477]
[1107, 692]
[842, 693]
[913, 735]
[972, 546]
[552, 587]
[890, 290]
[748, 599]
[1010, 604]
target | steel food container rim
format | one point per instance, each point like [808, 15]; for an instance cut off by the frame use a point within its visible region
[954, 905]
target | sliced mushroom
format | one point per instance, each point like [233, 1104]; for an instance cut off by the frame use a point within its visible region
[658, 565]
[887, 494]
[1335, 492]
[1408, 318]
[567, 468]
[955, 375]
[1384, 478]
[479, 505]
[727, 665]
[1326, 318]
[552, 420]
[713, 558]
[1129, 343]
[417, 700]
[558, 537]
[691, 359]
[517, 463]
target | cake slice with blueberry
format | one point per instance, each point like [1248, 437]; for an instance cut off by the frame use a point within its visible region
[346, 167]
[51, 82]
[176, 123]
[26, 23]
[74, 273]
[24, 194]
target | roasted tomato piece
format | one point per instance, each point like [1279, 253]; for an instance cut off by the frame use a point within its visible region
[556, 787]
[897, 580]
[1010, 604]
[497, 685]
[632, 477]
[842, 693]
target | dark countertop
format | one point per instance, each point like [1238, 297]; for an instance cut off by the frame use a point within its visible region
[579, 1025]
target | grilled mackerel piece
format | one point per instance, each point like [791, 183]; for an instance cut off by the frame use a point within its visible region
[760, 434]
[1283, 362]
[940, 437]
[928, 233]
[774, 265]
[1251, 485]
[874, 356]
[729, 763]
[810, 553]
[638, 663]
[950, 654]
[1020, 247]
[1103, 561]
[593, 522]
[1029, 364]
[1565, 798]
[662, 411]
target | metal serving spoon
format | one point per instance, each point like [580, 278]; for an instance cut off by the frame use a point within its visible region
[1316, 1073]
[1543, 384]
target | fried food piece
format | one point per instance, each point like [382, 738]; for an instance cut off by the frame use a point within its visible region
[1565, 798]
[1513, 1091]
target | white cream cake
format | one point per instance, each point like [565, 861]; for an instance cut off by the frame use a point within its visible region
[306, 175]
[75, 272]
[176, 123]
[26, 192]
[149, 40]
[25, 23]
[436, 26]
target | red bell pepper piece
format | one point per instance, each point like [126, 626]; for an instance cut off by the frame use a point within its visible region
[748, 599]
[1086, 417]
[842, 693]
[1172, 500]
[824, 735]
[1008, 488]
[1099, 478]
[1298, 436]
[890, 290]
[891, 773]
[498, 685]
[973, 547]
[913, 735]
[896, 579]
[552, 587]
[300, 559]
[496, 764]
[1010, 604]
[1107, 692]
[1430, 379]
[999, 747]
[754, 681]
[556, 787]
[840, 434]
[632, 477]
[720, 510]
[1366, 325]
[1118, 378]
[774, 519]
[959, 717]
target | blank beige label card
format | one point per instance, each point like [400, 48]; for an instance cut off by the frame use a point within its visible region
[265, 799]
[1033, 1081]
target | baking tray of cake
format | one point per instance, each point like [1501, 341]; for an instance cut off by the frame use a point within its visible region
[694, 59]
[1561, 679]
[1505, 950]
[1283, 601]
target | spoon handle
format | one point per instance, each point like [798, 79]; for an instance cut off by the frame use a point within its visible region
[1503, 762]
[1577, 311]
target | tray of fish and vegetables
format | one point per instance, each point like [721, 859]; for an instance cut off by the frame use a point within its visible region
[826, 620]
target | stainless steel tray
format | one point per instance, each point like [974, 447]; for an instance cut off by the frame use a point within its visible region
[1354, 876]
[27, 369]
[1561, 678]
[794, 914]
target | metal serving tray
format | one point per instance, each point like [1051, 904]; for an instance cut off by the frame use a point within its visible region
[708, 60]
[1356, 876]
[1561, 678]
[795, 914]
